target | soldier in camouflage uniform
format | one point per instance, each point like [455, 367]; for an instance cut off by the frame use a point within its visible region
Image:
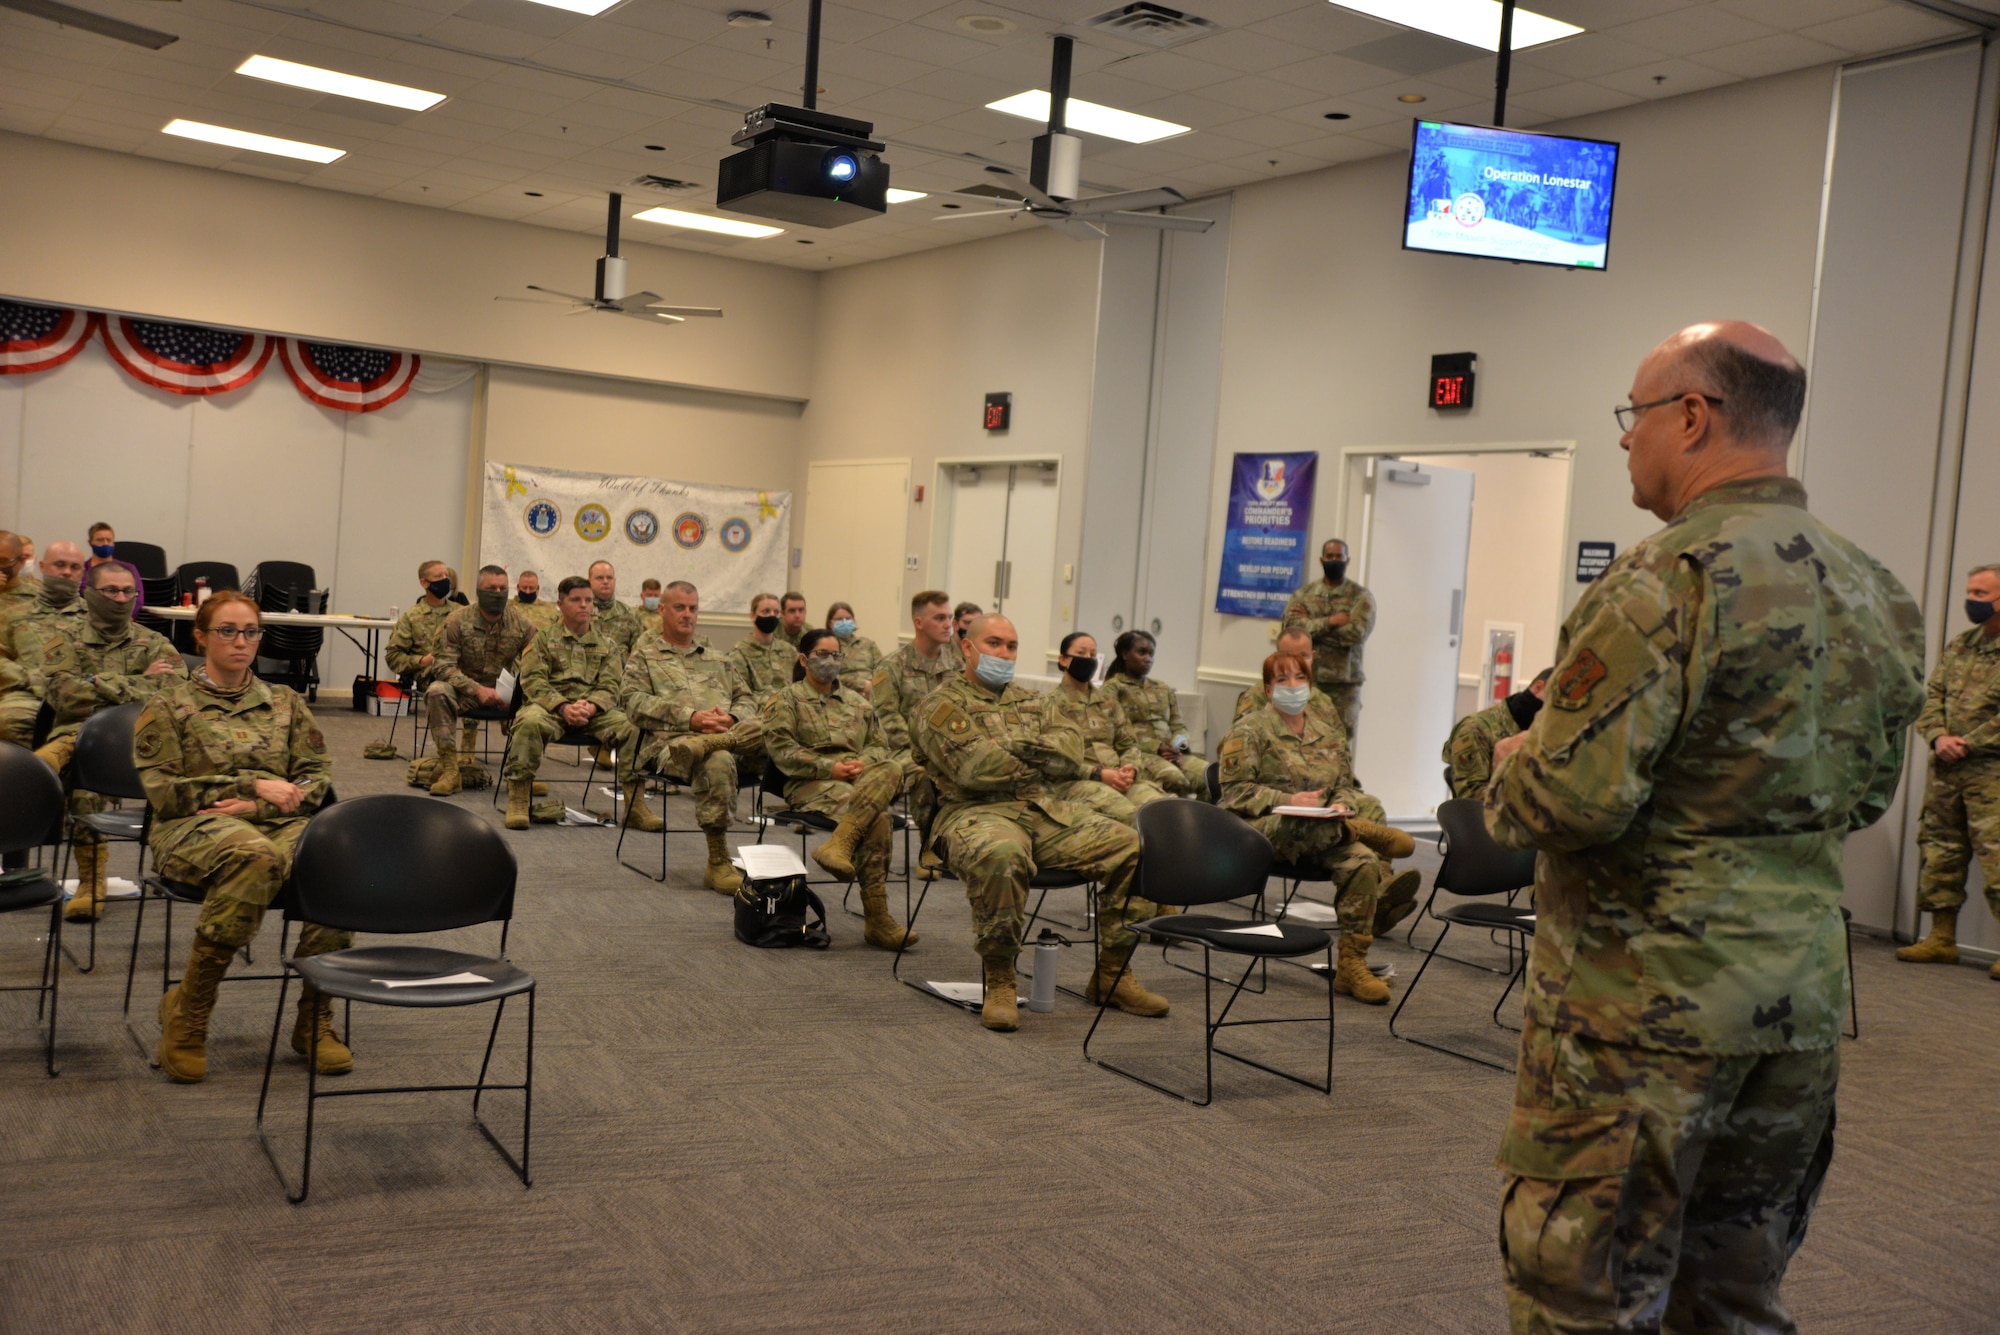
[57, 613]
[900, 685]
[104, 662]
[1338, 614]
[528, 601]
[476, 645]
[18, 591]
[682, 695]
[997, 754]
[828, 744]
[1961, 813]
[792, 618]
[233, 767]
[1153, 712]
[1731, 699]
[1468, 752]
[1116, 786]
[859, 655]
[762, 660]
[412, 650]
[614, 622]
[569, 680]
[1281, 755]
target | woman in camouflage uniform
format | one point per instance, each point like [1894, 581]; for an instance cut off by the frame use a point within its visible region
[1154, 715]
[825, 740]
[1282, 754]
[1120, 785]
[859, 655]
[233, 768]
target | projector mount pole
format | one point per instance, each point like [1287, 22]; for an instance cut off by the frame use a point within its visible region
[1059, 85]
[1058, 154]
[611, 269]
[1506, 65]
[812, 55]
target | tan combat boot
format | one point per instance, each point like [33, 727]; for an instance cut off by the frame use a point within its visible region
[316, 1012]
[1002, 1009]
[1387, 842]
[468, 738]
[517, 803]
[720, 875]
[637, 814]
[685, 754]
[1396, 901]
[1940, 947]
[879, 929]
[88, 901]
[448, 780]
[185, 1008]
[1351, 977]
[1129, 995]
[836, 853]
[929, 866]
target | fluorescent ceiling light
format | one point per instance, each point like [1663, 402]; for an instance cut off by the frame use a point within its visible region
[705, 222]
[332, 81]
[591, 7]
[1473, 22]
[1089, 117]
[904, 196]
[261, 143]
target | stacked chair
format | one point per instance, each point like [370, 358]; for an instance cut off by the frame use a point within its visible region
[289, 654]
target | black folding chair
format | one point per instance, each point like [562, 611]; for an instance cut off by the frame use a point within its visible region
[771, 788]
[289, 654]
[581, 739]
[31, 813]
[666, 788]
[1044, 879]
[219, 574]
[1193, 854]
[1853, 994]
[1475, 867]
[103, 765]
[398, 864]
[146, 558]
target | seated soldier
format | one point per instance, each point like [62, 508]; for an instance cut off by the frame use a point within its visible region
[528, 601]
[828, 744]
[107, 661]
[679, 692]
[1468, 752]
[859, 655]
[762, 660]
[612, 619]
[57, 612]
[1115, 787]
[412, 649]
[569, 681]
[962, 615]
[1281, 755]
[1153, 712]
[1299, 645]
[900, 684]
[997, 754]
[792, 617]
[649, 602]
[475, 646]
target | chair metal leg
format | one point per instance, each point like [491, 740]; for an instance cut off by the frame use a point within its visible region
[52, 984]
[527, 1088]
[264, 1093]
[1853, 993]
[1411, 990]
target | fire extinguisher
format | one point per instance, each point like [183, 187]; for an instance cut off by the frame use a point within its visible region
[1503, 673]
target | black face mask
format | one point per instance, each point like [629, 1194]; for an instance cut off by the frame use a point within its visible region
[1083, 669]
[1336, 571]
[962, 630]
[438, 588]
[493, 601]
[1978, 612]
[1523, 705]
[527, 597]
[765, 625]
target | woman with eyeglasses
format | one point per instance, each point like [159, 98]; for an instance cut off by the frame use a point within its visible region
[859, 655]
[825, 739]
[233, 768]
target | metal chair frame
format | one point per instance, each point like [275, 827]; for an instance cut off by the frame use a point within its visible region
[48, 985]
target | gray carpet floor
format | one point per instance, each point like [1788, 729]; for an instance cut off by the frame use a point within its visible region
[738, 1140]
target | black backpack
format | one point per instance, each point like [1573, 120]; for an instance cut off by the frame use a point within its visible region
[772, 915]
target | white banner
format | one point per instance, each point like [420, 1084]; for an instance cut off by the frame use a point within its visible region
[729, 542]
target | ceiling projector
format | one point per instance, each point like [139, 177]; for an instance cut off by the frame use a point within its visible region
[804, 167]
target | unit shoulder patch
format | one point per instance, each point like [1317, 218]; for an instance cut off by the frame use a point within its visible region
[1577, 680]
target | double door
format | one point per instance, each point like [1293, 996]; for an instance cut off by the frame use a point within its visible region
[1000, 546]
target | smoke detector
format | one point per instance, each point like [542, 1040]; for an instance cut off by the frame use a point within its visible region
[985, 25]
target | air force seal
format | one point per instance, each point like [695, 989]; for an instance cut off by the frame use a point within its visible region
[1271, 479]
[735, 534]
[641, 527]
[593, 522]
[689, 529]
[542, 518]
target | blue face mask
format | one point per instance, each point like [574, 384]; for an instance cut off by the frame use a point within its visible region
[844, 628]
[995, 672]
[105, 550]
[1291, 699]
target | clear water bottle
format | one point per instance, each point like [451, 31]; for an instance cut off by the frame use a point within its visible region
[1042, 987]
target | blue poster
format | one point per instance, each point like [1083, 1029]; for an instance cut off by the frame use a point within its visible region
[1270, 523]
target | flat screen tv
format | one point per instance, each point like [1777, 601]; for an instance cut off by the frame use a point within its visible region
[1510, 195]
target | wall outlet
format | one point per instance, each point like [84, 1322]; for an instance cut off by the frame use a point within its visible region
[910, 561]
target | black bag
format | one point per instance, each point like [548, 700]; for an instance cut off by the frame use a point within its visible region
[772, 915]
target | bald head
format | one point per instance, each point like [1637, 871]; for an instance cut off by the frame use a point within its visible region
[63, 560]
[990, 636]
[1756, 386]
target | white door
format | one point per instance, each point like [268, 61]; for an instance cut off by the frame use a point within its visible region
[976, 532]
[1419, 533]
[855, 521]
[1028, 565]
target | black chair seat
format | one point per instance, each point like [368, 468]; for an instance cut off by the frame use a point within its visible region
[181, 890]
[812, 820]
[34, 892]
[1506, 917]
[359, 974]
[115, 824]
[1056, 878]
[1229, 934]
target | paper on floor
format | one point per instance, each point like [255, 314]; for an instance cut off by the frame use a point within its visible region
[115, 887]
[970, 994]
[453, 980]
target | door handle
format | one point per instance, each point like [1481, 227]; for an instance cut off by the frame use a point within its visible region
[999, 580]
[1457, 612]
[1156, 626]
[1007, 587]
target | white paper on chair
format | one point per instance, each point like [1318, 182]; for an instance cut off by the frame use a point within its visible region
[1261, 929]
[115, 887]
[768, 862]
[1312, 813]
[1312, 911]
[503, 686]
[452, 980]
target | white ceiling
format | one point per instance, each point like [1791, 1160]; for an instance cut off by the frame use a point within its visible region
[672, 73]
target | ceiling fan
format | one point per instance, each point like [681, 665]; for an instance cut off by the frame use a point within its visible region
[611, 296]
[1050, 194]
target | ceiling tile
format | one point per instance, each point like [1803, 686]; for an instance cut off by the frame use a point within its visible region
[1689, 31]
[1665, 78]
[1784, 15]
[1886, 30]
[1572, 99]
[1770, 55]
[1585, 57]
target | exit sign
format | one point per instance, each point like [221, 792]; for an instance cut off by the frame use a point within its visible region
[999, 409]
[1451, 380]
